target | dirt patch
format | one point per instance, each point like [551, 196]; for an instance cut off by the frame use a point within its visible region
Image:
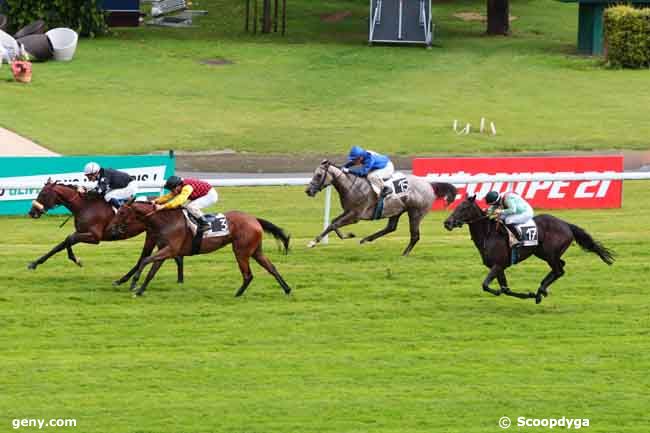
[219, 61]
[335, 17]
[476, 16]
[256, 163]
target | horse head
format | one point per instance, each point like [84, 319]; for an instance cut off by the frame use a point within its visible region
[128, 215]
[322, 177]
[467, 212]
[46, 200]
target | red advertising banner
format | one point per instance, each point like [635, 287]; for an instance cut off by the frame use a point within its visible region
[540, 194]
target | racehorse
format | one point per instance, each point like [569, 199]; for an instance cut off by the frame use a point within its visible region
[175, 238]
[359, 201]
[491, 239]
[92, 216]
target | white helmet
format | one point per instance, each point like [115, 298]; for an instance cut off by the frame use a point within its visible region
[91, 168]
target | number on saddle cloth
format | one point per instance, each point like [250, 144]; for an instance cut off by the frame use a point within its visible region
[218, 227]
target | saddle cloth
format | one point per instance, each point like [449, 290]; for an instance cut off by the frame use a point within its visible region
[218, 224]
[528, 232]
[397, 183]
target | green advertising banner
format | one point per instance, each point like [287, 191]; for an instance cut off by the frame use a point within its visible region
[25, 175]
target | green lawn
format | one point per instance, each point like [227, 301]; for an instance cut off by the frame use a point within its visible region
[321, 89]
[369, 341]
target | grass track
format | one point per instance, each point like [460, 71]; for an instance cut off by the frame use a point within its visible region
[369, 341]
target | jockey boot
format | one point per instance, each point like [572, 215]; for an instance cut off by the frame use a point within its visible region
[515, 232]
[116, 203]
[204, 224]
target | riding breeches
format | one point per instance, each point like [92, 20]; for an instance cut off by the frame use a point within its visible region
[122, 193]
[209, 199]
[519, 218]
[377, 177]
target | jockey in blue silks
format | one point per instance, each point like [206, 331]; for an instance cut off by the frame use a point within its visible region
[376, 167]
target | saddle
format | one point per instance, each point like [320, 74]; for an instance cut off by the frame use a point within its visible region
[397, 185]
[218, 227]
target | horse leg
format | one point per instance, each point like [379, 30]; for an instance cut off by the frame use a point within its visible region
[243, 260]
[494, 271]
[162, 255]
[147, 249]
[342, 236]
[266, 264]
[501, 276]
[557, 270]
[390, 227]
[415, 217]
[152, 272]
[344, 219]
[72, 257]
[179, 269]
[74, 238]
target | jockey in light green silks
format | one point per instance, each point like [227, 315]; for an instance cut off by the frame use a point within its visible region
[510, 208]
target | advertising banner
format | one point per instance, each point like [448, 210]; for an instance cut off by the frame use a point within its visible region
[37, 170]
[540, 194]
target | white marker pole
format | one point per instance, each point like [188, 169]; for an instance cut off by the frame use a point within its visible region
[326, 215]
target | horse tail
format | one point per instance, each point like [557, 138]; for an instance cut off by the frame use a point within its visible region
[277, 233]
[446, 190]
[588, 243]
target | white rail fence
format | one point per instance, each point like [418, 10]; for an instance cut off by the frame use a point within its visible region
[458, 180]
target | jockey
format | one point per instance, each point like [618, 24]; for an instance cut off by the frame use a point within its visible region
[200, 193]
[511, 208]
[375, 166]
[114, 185]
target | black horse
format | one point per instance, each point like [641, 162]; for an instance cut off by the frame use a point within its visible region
[491, 239]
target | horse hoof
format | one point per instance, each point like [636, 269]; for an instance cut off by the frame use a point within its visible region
[32, 266]
[78, 262]
[137, 294]
[538, 299]
[351, 235]
[117, 283]
[311, 244]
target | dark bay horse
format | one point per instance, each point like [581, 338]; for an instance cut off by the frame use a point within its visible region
[491, 239]
[174, 239]
[358, 202]
[92, 216]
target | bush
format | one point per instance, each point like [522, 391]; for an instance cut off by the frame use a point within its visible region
[86, 17]
[627, 36]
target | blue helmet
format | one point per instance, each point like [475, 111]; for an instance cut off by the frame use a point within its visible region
[355, 153]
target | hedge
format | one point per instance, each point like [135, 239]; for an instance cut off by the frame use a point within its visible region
[627, 36]
[86, 17]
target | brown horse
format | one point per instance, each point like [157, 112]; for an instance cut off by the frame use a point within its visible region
[490, 237]
[174, 238]
[92, 216]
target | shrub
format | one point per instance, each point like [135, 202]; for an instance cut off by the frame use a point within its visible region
[627, 36]
[86, 17]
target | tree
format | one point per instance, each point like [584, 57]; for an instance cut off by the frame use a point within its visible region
[498, 17]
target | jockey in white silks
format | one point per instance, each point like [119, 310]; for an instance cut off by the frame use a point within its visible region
[511, 208]
[376, 167]
[114, 185]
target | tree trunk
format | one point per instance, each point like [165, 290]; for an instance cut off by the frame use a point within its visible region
[498, 14]
[266, 17]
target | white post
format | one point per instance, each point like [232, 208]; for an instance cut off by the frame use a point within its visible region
[326, 214]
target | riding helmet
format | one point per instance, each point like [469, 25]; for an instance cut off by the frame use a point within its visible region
[173, 182]
[92, 168]
[492, 197]
[355, 153]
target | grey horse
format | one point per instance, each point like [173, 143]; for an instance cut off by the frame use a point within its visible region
[358, 201]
